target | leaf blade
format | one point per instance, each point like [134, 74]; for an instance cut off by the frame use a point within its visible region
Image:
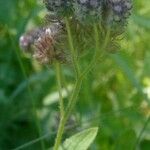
[81, 140]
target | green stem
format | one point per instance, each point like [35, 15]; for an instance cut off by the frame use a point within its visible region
[76, 90]
[72, 49]
[77, 71]
[67, 114]
[64, 83]
[59, 133]
[58, 76]
[78, 83]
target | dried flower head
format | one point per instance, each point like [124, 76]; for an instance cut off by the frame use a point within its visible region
[87, 11]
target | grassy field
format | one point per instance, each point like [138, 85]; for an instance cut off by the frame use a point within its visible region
[114, 96]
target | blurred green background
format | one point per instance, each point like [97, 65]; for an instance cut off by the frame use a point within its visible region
[115, 96]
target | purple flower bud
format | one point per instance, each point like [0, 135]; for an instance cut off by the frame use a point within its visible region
[59, 7]
[115, 14]
[87, 11]
[41, 43]
[25, 42]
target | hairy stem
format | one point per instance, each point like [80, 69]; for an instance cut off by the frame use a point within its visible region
[72, 49]
[75, 93]
[58, 78]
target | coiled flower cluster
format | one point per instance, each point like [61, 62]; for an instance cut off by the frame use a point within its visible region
[88, 11]
[60, 7]
[42, 42]
[120, 9]
[116, 12]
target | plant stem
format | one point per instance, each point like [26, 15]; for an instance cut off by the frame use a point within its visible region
[72, 49]
[67, 114]
[77, 86]
[59, 133]
[58, 78]
[78, 83]
[77, 71]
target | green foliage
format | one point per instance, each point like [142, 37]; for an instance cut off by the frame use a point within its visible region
[80, 141]
[126, 141]
[113, 96]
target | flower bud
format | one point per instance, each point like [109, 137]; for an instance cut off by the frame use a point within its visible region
[60, 7]
[116, 13]
[120, 9]
[27, 40]
[44, 51]
[87, 11]
[42, 43]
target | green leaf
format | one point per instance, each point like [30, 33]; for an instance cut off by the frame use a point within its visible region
[80, 141]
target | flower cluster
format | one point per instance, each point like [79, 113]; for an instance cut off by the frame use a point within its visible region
[92, 10]
[116, 13]
[41, 43]
[60, 7]
[87, 11]
[120, 9]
